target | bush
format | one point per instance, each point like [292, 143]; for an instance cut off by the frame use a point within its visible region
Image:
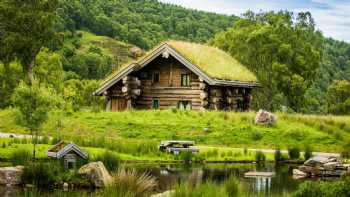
[256, 135]
[110, 160]
[307, 153]
[294, 152]
[260, 156]
[346, 151]
[325, 189]
[42, 174]
[20, 157]
[186, 156]
[278, 155]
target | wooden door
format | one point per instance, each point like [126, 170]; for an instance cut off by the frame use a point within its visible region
[118, 104]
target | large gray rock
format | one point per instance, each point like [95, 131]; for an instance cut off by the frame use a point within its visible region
[320, 160]
[97, 173]
[264, 118]
[11, 175]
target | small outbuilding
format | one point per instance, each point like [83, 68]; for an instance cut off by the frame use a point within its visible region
[69, 154]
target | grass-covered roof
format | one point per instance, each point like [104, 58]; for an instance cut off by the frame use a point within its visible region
[213, 61]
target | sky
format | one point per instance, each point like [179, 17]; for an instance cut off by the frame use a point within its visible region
[332, 17]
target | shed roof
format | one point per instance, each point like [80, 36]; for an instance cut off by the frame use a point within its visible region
[62, 148]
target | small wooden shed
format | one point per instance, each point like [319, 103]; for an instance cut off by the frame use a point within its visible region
[68, 153]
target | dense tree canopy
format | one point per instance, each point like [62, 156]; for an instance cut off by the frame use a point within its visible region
[141, 22]
[284, 52]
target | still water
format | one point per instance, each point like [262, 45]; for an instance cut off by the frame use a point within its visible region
[171, 174]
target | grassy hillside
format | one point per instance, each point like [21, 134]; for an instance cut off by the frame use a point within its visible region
[322, 133]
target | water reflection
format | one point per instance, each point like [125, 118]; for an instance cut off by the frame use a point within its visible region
[170, 175]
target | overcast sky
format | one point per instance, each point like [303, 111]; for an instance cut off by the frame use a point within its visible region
[332, 16]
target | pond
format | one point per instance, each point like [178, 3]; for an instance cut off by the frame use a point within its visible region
[169, 175]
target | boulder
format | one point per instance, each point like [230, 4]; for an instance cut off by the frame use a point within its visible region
[264, 118]
[97, 174]
[136, 52]
[320, 160]
[298, 174]
[11, 175]
[332, 165]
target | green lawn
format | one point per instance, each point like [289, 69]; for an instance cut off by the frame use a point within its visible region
[225, 129]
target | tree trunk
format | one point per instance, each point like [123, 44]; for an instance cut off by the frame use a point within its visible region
[30, 73]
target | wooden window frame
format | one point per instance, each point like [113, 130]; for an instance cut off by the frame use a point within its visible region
[154, 78]
[185, 80]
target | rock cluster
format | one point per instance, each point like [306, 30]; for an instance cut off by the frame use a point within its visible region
[320, 166]
[265, 118]
[97, 174]
[10, 176]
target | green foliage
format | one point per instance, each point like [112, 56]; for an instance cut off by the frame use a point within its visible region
[42, 174]
[31, 28]
[260, 156]
[233, 187]
[294, 152]
[20, 157]
[256, 135]
[278, 155]
[151, 21]
[338, 97]
[186, 156]
[307, 152]
[325, 189]
[110, 160]
[286, 67]
[345, 152]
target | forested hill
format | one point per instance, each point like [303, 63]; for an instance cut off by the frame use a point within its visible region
[141, 22]
[95, 36]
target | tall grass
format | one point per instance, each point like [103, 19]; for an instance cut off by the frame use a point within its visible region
[130, 182]
[20, 157]
[110, 160]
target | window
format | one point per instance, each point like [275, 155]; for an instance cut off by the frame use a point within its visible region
[155, 104]
[184, 105]
[185, 80]
[156, 77]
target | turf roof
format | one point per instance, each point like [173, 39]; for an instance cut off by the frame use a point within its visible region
[212, 61]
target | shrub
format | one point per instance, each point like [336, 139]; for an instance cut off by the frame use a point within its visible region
[307, 153]
[260, 156]
[20, 157]
[245, 151]
[346, 151]
[186, 156]
[129, 181]
[3, 144]
[278, 155]
[294, 152]
[110, 160]
[325, 189]
[232, 187]
[42, 174]
[256, 135]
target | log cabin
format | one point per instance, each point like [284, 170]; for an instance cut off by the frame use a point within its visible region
[178, 74]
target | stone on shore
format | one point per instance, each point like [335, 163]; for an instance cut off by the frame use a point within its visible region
[298, 174]
[97, 174]
[265, 118]
[10, 176]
